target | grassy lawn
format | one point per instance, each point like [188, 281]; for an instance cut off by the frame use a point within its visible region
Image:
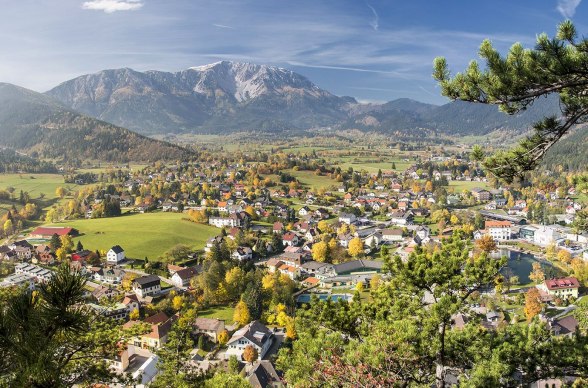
[149, 234]
[224, 313]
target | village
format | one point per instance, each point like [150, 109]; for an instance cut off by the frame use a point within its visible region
[277, 245]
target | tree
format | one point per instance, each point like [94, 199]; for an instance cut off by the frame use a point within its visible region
[66, 243]
[564, 256]
[178, 302]
[49, 338]
[79, 246]
[514, 82]
[250, 354]
[486, 244]
[375, 281]
[399, 338]
[60, 192]
[134, 315]
[320, 251]
[532, 303]
[241, 315]
[223, 379]
[174, 367]
[359, 286]
[127, 281]
[537, 274]
[61, 254]
[233, 364]
[8, 227]
[55, 242]
[355, 247]
[223, 337]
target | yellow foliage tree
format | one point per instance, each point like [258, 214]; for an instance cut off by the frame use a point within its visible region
[223, 337]
[134, 315]
[61, 254]
[532, 303]
[564, 256]
[355, 247]
[177, 302]
[320, 251]
[241, 315]
[537, 275]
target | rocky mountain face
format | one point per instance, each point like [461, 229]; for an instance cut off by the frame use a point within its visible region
[37, 124]
[223, 96]
[229, 96]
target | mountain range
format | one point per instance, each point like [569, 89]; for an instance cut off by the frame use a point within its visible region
[39, 125]
[231, 96]
[87, 117]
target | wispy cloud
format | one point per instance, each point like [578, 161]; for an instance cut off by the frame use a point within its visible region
[223, 26]
[567, 8]
[302, 64]
[375, 23]
[110, 6]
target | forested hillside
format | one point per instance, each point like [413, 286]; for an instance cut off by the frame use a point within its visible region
[37, 124]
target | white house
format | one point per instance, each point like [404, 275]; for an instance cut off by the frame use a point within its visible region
[243, 253]
[182, 277]
[115, 255]
[347, 218]
[147, 285]
[255, 334]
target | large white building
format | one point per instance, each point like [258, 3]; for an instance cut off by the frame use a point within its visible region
[546, 235]
[255, 334]
[499, 230]
[115, 255]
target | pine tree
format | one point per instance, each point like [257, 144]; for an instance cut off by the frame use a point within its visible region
[514, 82]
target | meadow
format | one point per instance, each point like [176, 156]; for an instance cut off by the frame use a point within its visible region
[35, 184]
[141, 235]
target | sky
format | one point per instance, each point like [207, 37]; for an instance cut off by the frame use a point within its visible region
[375, 51]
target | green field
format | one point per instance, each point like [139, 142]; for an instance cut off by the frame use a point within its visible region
[142, 235]
[35, 184]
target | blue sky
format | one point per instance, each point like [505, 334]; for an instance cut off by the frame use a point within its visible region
[376, 50]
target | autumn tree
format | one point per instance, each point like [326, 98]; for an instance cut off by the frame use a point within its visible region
[66, 242]
[532, 303]
[250, 354]
[241, 315]
[554, 66]
[223, 337]
[564, 256]
[320, 251]
[537, 274]
[60, 192]
[134, 315]
[355, 247]
[486, 244]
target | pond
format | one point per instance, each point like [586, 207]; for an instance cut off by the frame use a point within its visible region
[521, 264]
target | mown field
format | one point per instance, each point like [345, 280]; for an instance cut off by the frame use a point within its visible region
[141, 235]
